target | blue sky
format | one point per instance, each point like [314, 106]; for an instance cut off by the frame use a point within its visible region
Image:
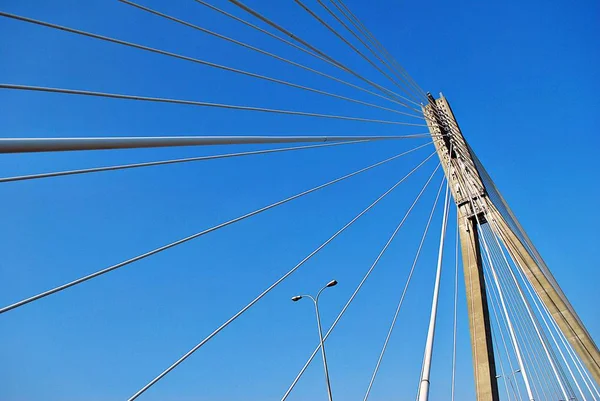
[522, 78]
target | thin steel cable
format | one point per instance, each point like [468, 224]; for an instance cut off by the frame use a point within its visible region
[539, 385]
[174, 55]
[405, 289]
[550, 331]
[408, 90]
[172, 161]
[538, 343]
[534, 353]
[307, 51]
[171, 54]
[496, 280]
[356, 291]
[265, 292]
[357, 51]
[368, 44]
[567, 346]
[497, 349]
[266, 53]
[526, 284]
[509, 322]
[543, 341]
[573, 354]
[194, 103]
[492, 289]
[519, 326]
[369, 34]
[546, 383]
[316, 50]
[196, 235]
[493, 297]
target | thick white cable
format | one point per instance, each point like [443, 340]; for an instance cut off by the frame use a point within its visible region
[501, 317]
[509, 322]
[587, 381]
[356, 291]
[29, 145]
[428, 354]
[534, 321]
[550, 331]
[522, 329]
[512, 328]
[405, 289]
[492, 300]
[544, 377]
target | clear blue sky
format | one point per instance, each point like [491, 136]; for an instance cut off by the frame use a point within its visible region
[522, 78]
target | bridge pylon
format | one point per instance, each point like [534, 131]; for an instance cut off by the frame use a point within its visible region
[479, 202]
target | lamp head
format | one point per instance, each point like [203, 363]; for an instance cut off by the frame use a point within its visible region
[332, 283]
[297, 298]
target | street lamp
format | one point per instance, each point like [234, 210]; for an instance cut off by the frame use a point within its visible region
[316, 302]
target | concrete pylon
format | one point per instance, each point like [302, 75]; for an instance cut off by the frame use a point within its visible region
[464, 173]
[466, 184]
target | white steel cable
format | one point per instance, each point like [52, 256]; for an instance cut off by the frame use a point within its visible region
[307, 51]
[356, 291]
[538, 381]
[198, 234]
[423, 394]
[195, 103]
[266, 53]
[404, 290]
[363, 29]
[492, 290]
[28, 145]
[167, 162]
[529, 353]
[509, 322]
[408, 90]
[533, 319]
[357, 51]
[272, 286]
[550, 331]
[503, 265]
[587, 381]
[173, 55]
[493, 301]
[314, 49]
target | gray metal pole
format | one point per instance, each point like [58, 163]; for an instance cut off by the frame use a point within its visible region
[316, 302]
[321, 337]
[27, 145]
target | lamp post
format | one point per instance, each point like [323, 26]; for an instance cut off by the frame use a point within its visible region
[316, 302]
